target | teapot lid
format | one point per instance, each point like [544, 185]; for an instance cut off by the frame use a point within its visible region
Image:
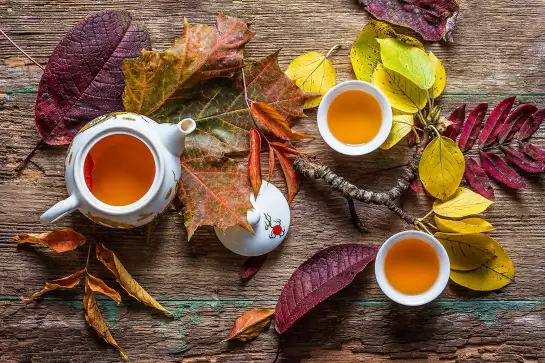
[270, 220]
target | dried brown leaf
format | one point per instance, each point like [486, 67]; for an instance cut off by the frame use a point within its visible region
[250, 324]
[60, 240]
[98, 285]
[67, 282]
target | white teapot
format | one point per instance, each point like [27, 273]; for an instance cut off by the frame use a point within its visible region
[166, 143]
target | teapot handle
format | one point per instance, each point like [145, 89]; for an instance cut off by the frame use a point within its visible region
[61, 209]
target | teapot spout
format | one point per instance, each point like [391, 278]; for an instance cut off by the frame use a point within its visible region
[173, 136]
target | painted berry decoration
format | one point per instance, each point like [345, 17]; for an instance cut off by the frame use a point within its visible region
[277, 230]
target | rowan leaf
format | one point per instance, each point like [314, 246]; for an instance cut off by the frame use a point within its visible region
[125, 280]
[275, 122]
[411, 62]
[67, 282]
[251, 266]
[472, 126]
[514, 122]
[462, 204]
[250, 324]
[499, 170]
[287, 150]
[464, 226]
[467, 251]
[61, 240]
[403, 94]
[440, 76]
[271, 162]
[324, 274]
[532, 151]
[522, 161]
[531, 124]
[313, 72]
[98, 285]
[492, 275]
[457, 118]
[254, 161]
[293, 179]
[402, 124]
[477, 179]
[495, 121]
[441, 167]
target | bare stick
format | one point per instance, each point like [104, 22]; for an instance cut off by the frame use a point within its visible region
[354, 215]
[20, 50]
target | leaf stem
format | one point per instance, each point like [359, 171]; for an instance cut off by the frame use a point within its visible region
[88, 255]
[20, 50]
[333, 49]
[421, 117]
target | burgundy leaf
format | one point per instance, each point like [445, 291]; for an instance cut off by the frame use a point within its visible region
[251, 266]
[477, 179]
[531, 124]
[499, 170]
[495, 121]
[324, 274]
[472, 126]
[433, 19]
[457, 118]
[515, 120]
[83, 78]
[522, 161]
[532, 151]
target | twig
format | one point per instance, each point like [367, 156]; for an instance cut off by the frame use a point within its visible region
[29, 156]
[88, 255]
[20, 50]
[354, 215]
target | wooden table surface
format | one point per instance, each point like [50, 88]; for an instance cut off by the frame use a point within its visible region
[499, 50]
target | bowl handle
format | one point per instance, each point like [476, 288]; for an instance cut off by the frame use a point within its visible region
[61, 209]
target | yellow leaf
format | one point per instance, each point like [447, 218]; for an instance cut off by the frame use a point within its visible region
[314, 73]
[133, 288]
[97, 285]
[467, 251]
[465, 226]
[493, 275]
[440, 76]
[60, 240]
[441, 167]
[403, 94]
[67, 282]
[402, 124]
[250, 324]
[462, 204]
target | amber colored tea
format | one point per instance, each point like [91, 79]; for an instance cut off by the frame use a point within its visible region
[354, 117]
[123, 169]
[411, 266]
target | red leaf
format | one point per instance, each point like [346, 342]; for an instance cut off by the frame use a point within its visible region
[499, 170]
[532, 151]
[433, 19]
[88, 166]
[416, 186]
[84, 78]
[477, 179]
[495, 121]
[271, 161]
[531, 124]
[472, 126]
[522, 161]
[287, 150]
[292, 177]
[254, 161]
[271, 119]
[251, 266]
[324, 274]
[515, 120]
[457, 117]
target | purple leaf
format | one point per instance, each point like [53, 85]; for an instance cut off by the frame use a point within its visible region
[499, 170]
[531, 124]
[532, 151]
[514, 121]
[457, 118]
[324, 274]
[472, 126]
[251, 266]
[83, 78]
[522, 161]
[477, 179]
[495, 121]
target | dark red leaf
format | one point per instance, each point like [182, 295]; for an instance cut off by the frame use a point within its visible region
[514, 121]
[88, 167]
[83, 78]
[477, 179]
[251, 266]
[522, 161]
[531, 124]
[495, 121]
[499, 170]
[254, 161]
[416, 186]
[433, 19]
[324, 274]
[472, 126]
[457, 117]
[532, 151]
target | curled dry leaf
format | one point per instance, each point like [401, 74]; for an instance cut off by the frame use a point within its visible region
[499, 170]
[133, 288]
[67, 282]
[514, 122]
[467, 251]
[472, 126]
[531, 124]
[440, 76]
[464, 226]
[532, 151]
[250, 324]
[251, 266]
[60, 240]
[274, 121]
[402, 124]
[477, 178]
[457, 118]
[495, 121]
[254, 161]
[462, 204]
[293, 179]
[403, 94]
[98, 285]
[523, 161]
[324, 274]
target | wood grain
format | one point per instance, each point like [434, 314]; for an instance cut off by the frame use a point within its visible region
[499, 50]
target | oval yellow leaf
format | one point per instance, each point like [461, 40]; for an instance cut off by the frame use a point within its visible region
[402, 124]
[465, 226]
[493, 275]
[411, 62]
[442, 167]
[440, 76]
[467, 251]
[462, 204]
[312, 72]
[403, 94]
